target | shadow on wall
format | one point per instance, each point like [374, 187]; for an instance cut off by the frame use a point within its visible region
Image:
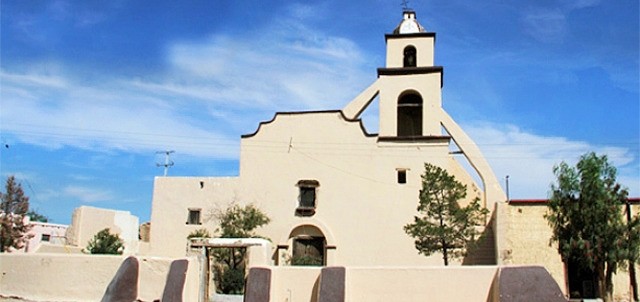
[124, 285]
[483, 252]
[340, 284]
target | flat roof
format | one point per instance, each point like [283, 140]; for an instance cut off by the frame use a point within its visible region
[632, 200]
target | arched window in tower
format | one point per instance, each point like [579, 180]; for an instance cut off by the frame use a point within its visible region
[409, 56]
[410, 114]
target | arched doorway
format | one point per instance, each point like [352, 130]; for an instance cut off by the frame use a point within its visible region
[410, 114]
[308, 246]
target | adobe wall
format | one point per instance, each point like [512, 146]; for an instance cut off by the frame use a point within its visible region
[50, 277]
[88, 221]
[294, 283]
[462, 283]
[172, 199]
[374, 283]
[524, 239]
[360, 206]
[354, 284]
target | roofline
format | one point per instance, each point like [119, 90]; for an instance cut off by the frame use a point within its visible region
[415, 139]
[412, 35]
[394, 71]
[528, 201]
[632, 200]
[356, 120]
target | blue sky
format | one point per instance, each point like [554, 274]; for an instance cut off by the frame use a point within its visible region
[91, 90]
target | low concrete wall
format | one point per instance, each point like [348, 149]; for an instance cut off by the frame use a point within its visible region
[53, 277]
[354, 284]
[462, 283]
[293, 283]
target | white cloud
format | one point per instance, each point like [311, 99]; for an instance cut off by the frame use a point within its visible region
[32, 79]
[578, 4]
[189, 108]
[104, 117]
[529, 158]
[546, 25]
[285, 67]
[87, 194]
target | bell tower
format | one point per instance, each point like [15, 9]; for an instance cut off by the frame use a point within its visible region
[410, 85]
[409, 94]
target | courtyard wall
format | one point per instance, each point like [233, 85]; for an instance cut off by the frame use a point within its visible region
[54, 277]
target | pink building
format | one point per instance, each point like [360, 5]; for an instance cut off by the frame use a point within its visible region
[48, 233]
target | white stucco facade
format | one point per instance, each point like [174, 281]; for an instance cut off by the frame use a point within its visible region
[365, 185]
[88, 221]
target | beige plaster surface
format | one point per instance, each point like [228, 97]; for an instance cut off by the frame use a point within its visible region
[423, 45]
[55, 277]
[444, 284]
[88, 221]
[294, 283]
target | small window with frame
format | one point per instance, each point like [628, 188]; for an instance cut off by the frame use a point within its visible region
[194, 216]
[402, 176]
[45, 238]
[307, 198]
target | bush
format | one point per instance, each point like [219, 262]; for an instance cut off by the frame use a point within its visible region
[232, 281]
[306, 260]
[105, 243]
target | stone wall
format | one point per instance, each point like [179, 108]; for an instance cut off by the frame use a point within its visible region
[525, 240]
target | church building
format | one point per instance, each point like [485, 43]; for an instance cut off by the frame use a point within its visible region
[334, 191]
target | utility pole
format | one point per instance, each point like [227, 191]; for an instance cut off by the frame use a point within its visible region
[167, 161]
[507, 185]
[632, 266]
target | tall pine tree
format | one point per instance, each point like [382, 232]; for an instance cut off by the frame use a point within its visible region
[14, 206]
[444, 226]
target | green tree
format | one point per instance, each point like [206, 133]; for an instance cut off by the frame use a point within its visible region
[240, 222]
[35, 216]
[585, 213]
[14, 205]
[443, 225]
[235, 222]
[105, 243]
[199, 233]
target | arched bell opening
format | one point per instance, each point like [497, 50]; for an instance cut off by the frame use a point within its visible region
[410, 57]
[410, 114]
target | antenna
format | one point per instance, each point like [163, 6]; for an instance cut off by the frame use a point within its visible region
[167, 161]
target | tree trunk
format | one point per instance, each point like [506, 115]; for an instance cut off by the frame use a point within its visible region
[634, 281]
[445, 255]
[608, 283]
[600, 281]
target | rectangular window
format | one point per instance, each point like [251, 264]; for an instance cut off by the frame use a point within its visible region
[307, 197]
[402, 176]
[45, 237]
[194, 216]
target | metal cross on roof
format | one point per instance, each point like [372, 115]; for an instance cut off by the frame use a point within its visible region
[405, 5]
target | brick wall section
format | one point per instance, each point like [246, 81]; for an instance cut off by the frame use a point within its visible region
[526, 241]
[527, 237]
